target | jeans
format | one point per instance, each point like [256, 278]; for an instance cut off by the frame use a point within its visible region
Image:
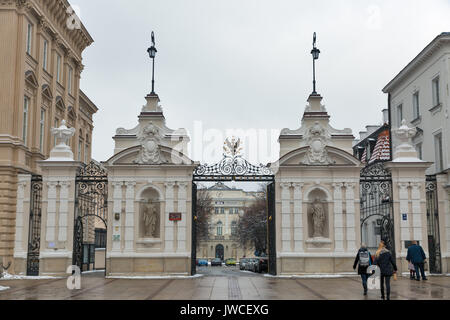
[420, 267]
[387, 280]
[364, 278]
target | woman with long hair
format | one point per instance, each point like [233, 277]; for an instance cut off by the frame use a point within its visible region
[384, 260]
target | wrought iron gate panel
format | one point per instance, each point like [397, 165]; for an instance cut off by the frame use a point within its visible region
[271, 225]
[34, 232]
[376, 205]
[434, 246]
[194, 230]
[91, 201]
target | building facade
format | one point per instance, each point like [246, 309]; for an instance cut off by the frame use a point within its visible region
[419, 94]
[228, 205]
[40, 70]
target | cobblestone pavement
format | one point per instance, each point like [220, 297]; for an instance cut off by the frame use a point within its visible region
[221, 284]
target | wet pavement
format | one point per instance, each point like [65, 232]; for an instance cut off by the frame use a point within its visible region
[221, 283]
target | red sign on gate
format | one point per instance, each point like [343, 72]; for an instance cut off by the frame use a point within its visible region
[175, 216]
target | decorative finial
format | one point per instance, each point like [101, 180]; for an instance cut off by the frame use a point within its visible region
[315, 53]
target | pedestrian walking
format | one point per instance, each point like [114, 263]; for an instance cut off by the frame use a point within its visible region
[412, 271]
[363, 260]
[417, 257]
[384, 260]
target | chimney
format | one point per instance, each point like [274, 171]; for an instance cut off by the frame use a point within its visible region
[385, 116]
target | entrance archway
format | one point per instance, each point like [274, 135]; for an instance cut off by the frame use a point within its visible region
[234, 168]
[220, 251]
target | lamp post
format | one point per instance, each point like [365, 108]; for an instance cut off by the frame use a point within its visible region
[152, 54]
[315, 53]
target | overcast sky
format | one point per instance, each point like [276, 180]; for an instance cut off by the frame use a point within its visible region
[246, 64]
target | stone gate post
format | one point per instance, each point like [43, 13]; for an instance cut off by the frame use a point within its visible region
[409, 195]
[58, 205]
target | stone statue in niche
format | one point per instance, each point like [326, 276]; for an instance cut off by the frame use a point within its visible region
[318, 218]
[150, 139]
[150, 220]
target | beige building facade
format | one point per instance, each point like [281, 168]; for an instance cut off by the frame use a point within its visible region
[229, 204]
[40, 70]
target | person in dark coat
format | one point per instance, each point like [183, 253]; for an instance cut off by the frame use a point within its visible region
[362, 266]
[384, 260]
[417, 257]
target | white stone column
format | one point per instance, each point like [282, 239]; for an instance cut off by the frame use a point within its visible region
[22, 221]
[63, 210]
[338, 217]
[350, 208]
[169, 225]
[129, 215]
[51, 212]
[416, 211]
[182, 208]
[117, 208]
[404, 209]
[298, 218]
[286, 216]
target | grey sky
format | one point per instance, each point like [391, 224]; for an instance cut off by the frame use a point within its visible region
[246, 63]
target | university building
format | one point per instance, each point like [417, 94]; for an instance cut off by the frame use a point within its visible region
[229, 204]
[40, 69]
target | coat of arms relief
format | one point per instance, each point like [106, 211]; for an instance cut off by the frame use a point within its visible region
[317, 138]
[150, 139]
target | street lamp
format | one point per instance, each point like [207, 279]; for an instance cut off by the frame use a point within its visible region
[315, 53]
[152, 54]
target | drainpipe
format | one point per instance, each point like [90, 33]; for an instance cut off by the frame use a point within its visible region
[391, 142]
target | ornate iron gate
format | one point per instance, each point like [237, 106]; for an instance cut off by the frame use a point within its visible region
[91, 201]
[233, 167]
[377, 216]
[194, 230]
[34, 232]
[271, 225]
[434, 246]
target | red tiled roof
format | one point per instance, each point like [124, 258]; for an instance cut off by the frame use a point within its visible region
[382, 148]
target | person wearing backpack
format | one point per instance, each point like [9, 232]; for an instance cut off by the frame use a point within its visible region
[363, 260]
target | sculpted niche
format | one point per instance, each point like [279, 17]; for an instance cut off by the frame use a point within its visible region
[149, 215]
[318, 215]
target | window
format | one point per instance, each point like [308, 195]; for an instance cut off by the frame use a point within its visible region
[42, 131]
[416, 108]
[222, 210]
[80, 147]
[419, 150]
[29, 37]
[236, 210]
[86, 153]
[216, 210]
[219, 228]
[399, 115]
[58, 68]
[438, 149]
[69, 81]
[233, 228]
[45, 55]
[436, 94]
[26, 105]
[55, 125]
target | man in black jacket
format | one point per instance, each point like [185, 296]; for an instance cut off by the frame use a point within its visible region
[417, 257]
[363, 260]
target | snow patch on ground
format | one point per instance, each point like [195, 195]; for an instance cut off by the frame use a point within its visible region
[4, 288]
[315, 276]
[7, 276]
[155, 277]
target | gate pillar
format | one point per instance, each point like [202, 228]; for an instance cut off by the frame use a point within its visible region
[409, 195]
[58, 198]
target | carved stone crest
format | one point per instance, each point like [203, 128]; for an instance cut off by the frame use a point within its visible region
[317, 138]
[150, 140]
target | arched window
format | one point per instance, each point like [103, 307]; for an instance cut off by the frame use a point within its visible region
[219, 227]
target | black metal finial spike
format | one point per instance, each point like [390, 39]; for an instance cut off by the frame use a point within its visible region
[152, 53]
[315, 53]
